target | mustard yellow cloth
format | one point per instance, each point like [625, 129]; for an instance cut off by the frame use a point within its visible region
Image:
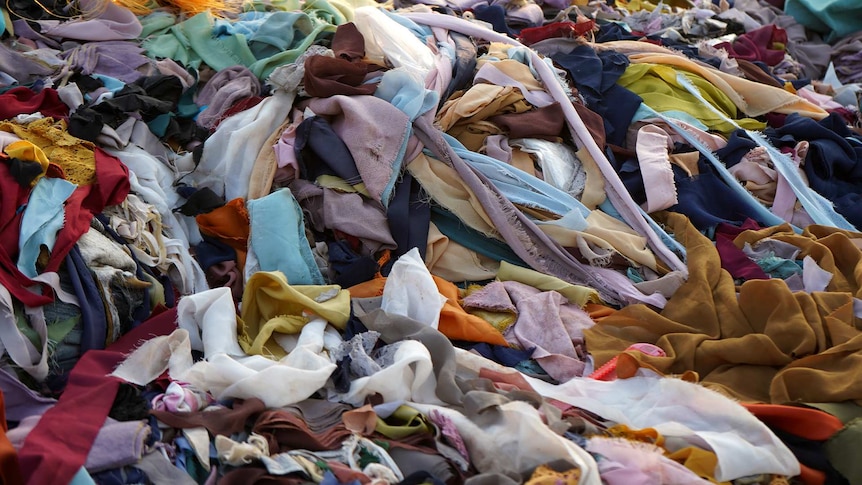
[766, 344]
[271, 305]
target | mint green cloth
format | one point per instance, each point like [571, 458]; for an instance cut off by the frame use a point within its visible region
[280, 39]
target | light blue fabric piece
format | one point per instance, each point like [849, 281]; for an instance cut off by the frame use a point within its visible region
[43, 218]
[422, 32]
[644, 113]
[519, 186]
[819, 208]
[82, 478]
[247, 24]
[113, 85]
[278, 33]
[278, 238]
[404, 92]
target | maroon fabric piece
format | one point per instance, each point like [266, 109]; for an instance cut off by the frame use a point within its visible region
[329, 76]
[546, 123]
[594, 122]
[22, 100]
[59, 444]
[758, 45]
[239, 107]
[348, 43]
[733, 259]
[111, 187]
[531, 35]
[12, 198]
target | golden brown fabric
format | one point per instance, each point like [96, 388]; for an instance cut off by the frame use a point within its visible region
[766, 344]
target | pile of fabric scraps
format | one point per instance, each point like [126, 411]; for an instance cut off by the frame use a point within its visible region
[431, 242]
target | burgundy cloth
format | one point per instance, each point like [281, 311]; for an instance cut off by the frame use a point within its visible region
[329, 76]
[531, 35]
[736, 262]
[757, 45]
[58, 446]
[13, 197]
[239, 107]
[223, 421]
[545, 123]
[23, 100]
[111, 187]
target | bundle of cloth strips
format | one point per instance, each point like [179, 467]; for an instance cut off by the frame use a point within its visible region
[431, 242]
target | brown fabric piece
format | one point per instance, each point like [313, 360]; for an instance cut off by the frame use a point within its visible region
[348, 43]
[285, 431]
[224, 421]
[766, 344]
[329, 76]
[754, 73]
[464, 115]
[546, 123]
[594, 122]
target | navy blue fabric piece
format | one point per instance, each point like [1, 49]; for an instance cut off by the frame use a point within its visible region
[708, 201]
[833, 164]
[502, 355]
[611, 31]
[631, 177]
[320, 151]
[354, 327]
[595, 76]
[350, 268]
[454, 229]
[496, 16]
[211, 252]
[94, 321]
[127, 475]
[737, 146]
[408, 216]
[465, 65]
